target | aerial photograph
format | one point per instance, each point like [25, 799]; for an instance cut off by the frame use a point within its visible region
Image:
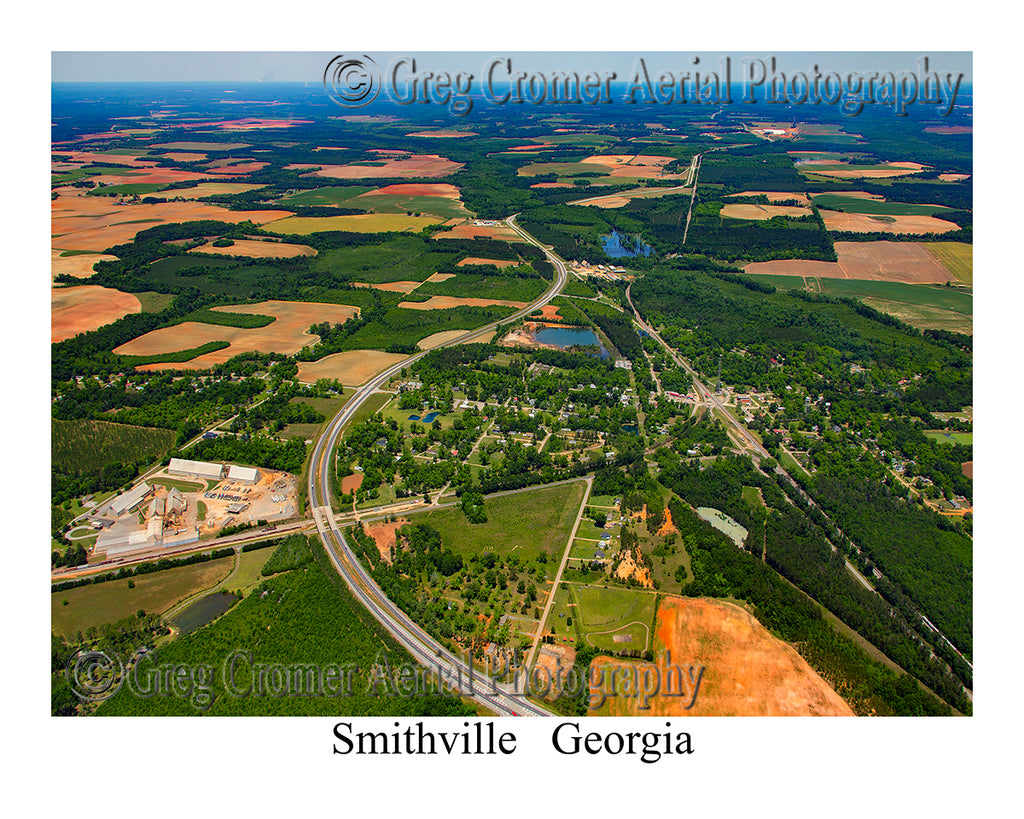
[471, 384]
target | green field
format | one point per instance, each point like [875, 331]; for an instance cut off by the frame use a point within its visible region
[468, 285]
[223, 319]
[943, 437]
[403, 258]
[442, 207]
[85, 447]
[154, 302]
[155, 593]
[956, 257]
[607, 612]
[564, 169]
[529, 523]
[855, 204]
[927, 295]
[332, 195]
[402, 325]
[181, 486]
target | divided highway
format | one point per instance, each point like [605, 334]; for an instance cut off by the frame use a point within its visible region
[497, 697]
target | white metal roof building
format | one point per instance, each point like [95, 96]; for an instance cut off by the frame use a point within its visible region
[243, 474]
[199, 469]
[130, 499]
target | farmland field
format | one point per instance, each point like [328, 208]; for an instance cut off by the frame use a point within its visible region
[334, 195]
[355, 223]
[537, 521]
[863, 204]
[155, 593]
[75, 310]
[352, 367]
[402, 258]
[607, 613]
[956, 257]
[257, 249]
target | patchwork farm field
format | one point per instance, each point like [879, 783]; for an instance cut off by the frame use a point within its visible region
[909, 262]
[406, 165]
[956, 257]
[75, 263]
[762, 212]
[256, 249]
[288, 334]
[877, 223]
[353, 223]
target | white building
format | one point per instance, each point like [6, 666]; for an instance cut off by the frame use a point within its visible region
[198, 469]
[129, 500]
[243, 474]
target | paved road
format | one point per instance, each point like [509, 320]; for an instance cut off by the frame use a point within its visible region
[498, 697]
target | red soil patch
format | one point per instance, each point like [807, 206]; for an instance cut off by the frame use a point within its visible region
[747, 671]
[158, 176]
[383, 535]
[668, 527]
[79, 266]
[423, 165]
[954, 177]
[75, 310]
[392, 287]
[890, 261]
[257, 249]
[351, 483]
[949, 129]
[352, 367]
[796, 267]
[444, 134]
[552, 185]
[549, 312]
[416, 189]
[968, 469]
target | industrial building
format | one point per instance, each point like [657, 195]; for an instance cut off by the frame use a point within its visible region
[129, 500]
[195, 469]
[243, 474]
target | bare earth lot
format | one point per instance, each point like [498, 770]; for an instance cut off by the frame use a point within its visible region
[866, 223]
[763, 212]
[257, 249]
[747, 671]
[908, 262]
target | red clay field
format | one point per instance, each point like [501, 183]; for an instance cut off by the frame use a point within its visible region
[75, 310]
[908, 262]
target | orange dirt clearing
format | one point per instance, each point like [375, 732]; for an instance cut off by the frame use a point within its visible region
[257, 249]
[79, 266]
[747, 671]
[763, 212]
[75, 310]
[476, 260]
[351, 483]
[351, 368]
[444, 302]
[552, 185]
[954, 177]
[422, 165]
[865, 223]
[443, 134]
[550, 312]
[890, 261]
[384, 536]
[286, 335]
[441, 277]
[416, 189]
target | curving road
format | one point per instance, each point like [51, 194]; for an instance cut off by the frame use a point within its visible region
[500, 698]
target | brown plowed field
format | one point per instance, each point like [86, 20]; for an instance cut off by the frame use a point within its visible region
[443, 302]
[891, 262]
[416, 189]
[504, 234]
[383, 535]
[75, 310]
[422, 165]
[552, 185]
[908, 262]
[79, 266]
[98, 222]
[779, 196]
[444, 134]
[205, 189]
[796, 267]
[747, 671]
[350, 483]
[954, 177]
[441, 277]
[762, 212]
[437, 339]
[475, 260]
[866, 223]
[286, 335]
[351, 368]
[257, 249]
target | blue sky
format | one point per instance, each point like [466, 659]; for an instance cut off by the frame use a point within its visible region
[308, 66]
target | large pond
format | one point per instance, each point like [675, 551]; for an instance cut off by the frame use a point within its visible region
[203, 611]
[619, 245]
[565, 337]
[724, 524]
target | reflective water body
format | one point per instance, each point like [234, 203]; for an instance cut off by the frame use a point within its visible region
[619, 246]
[203, 611]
